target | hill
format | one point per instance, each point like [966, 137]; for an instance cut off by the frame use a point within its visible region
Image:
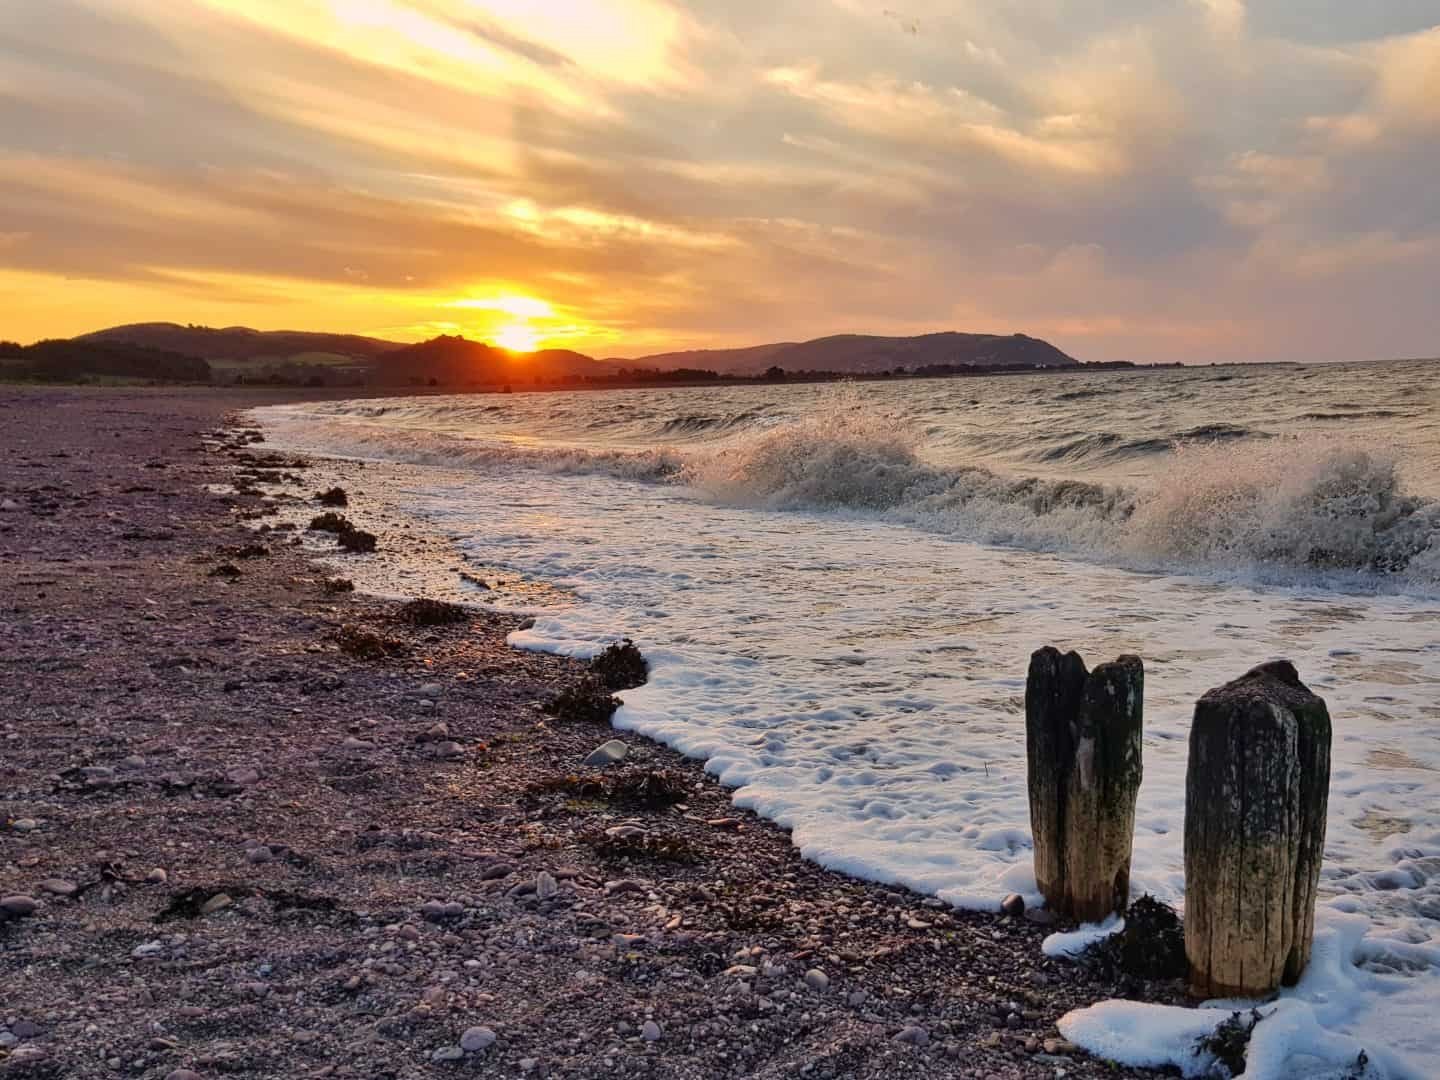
[458, 361]
[864, 353]
[240, 343]
[80, 361]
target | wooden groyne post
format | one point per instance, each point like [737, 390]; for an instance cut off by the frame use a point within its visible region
[1256, 790]
[1083, 748]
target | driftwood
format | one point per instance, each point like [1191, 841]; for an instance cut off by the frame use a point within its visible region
[1256, 791]
[1083, 746]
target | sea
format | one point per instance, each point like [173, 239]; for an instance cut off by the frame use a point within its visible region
[839, 586]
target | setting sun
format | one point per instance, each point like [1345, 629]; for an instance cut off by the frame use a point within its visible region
[517, 337]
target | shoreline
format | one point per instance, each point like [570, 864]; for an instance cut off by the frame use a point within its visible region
[378, 887]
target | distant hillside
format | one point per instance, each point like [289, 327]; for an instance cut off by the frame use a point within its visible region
[75, 361]
[458, 361]
[864, 353]
[240, 343]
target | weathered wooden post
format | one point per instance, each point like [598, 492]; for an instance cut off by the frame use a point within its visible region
[1256, 791]
[1083, 747]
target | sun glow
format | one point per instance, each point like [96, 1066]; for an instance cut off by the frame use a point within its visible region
[517, 337]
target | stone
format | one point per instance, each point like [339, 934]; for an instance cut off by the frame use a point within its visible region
[1013, 904]
[545, 885]
[477, 1039]
[446, 1053]
[218, 902]
[158, 876]
[9, 504]
[26, 1029]
[607, 753]
[24, 824]
[58, 887]
[449, 750]
[651, 1032]
[914, 1035]
[496, 871]
[431, 690]
[17, 907]
[258, 855]
[817, 980]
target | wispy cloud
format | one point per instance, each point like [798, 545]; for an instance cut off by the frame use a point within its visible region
[1149, 180]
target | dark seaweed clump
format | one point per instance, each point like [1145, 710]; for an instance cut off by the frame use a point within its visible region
[358, 541]
[587, 699]
[643, 788]
[336, 585]
[331, 522]
[335, 496]
[1229, 1041]
[425, 612]
[621, 666]
[1152, 945]
[366, 645]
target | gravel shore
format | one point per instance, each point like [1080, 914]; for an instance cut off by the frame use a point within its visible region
[230, 847]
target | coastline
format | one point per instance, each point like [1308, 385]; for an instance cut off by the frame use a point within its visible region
[208, 727]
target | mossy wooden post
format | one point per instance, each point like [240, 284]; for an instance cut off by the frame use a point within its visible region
[1083, 747]
[1256, 791]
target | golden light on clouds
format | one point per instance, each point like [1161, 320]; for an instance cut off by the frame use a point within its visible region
[630, 176]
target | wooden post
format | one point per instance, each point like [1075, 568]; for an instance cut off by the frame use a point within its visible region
[1083, 747]
[1256, 791]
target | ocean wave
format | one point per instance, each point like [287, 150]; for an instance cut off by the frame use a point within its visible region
[1276, 510]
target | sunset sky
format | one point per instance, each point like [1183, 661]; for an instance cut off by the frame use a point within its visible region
[1143, 180]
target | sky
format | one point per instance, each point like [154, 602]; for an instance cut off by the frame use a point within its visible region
[1147, 180]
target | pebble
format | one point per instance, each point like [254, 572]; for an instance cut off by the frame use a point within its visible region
[431, 690]
[150, 948]
[913, 1034]
[817, 980]
[25, 1029]
[9, 504]
[7, 1040]
[1013, 904]
[477, 1039]
[446, 1053]
[545, 885]
[158, 876]
[19, 906]
[182, 1074]
[25, 824]
[497, 870]
[651, 1031]
[449, 750]
[528, 1064]
[258, 855]
[607, 753]
[218, 902]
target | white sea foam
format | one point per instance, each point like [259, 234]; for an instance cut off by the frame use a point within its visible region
[860, 679]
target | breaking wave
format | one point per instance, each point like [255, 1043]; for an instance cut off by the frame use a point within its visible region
[1230, 498]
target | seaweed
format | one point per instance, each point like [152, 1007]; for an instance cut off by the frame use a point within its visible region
[335, 496]
[358, 541]
[334, 585]
[331, 522]
[1152, 945]
[1229, 1041]
[645, 788]
[366, 645]
[226, 570]
[425, 612]
[609, 844]
[587, 699]
[621, 666]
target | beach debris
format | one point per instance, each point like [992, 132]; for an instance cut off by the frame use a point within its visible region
[1227, 1044]
[226, 570]
[1083, 748]
[245, 551]
[334, 496]
[366, 644]
[358, 541]
[1013, 904]
[336, 585]
[607, 753]
[1256, 790]
[621, 666]
[1151, 946]
[587, 699]
[426, 612]
[331, 522]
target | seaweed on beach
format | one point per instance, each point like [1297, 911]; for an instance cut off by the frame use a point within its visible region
[335, 585]
[426, 612]
[366, 645]
[334, 496]
[621, 666]
[226, 570]
[1152, 945]
[640, 788]
[612, 844]
[331, 522]
[358, 541]
[587, 699]
[1229, 1041]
